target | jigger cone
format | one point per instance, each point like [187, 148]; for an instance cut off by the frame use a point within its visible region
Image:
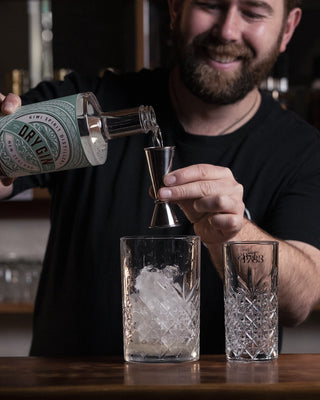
[160, 163]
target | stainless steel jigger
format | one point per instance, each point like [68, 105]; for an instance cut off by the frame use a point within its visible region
[160, 163]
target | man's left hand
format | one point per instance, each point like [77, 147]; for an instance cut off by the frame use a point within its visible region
[211, 199]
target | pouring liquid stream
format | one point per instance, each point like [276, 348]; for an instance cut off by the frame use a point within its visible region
[157, 139]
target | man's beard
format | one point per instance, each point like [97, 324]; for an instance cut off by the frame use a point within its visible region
[221, 87]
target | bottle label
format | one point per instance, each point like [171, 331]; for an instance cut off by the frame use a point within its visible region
[40, 138]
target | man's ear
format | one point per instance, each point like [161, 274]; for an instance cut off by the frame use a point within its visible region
[292, 22]
[174, 9]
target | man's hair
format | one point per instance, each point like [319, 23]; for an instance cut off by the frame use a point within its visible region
[291, 4]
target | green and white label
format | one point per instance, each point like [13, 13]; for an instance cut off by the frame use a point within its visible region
[40, 138]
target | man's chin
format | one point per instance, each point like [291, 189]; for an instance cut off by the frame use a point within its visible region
[217, 89]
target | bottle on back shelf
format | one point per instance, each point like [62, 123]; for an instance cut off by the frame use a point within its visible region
[277, 83]
[314, 96]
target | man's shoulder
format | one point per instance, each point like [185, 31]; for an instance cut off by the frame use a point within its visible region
[135, 77]
[285, 121]
[118, 90]
[129, 89]
[111, 82]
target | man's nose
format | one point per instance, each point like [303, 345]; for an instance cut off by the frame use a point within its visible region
[228, 26]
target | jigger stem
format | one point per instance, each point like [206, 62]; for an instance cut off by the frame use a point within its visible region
[160, 163]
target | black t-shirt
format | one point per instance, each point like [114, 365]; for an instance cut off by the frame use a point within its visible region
[275, 156]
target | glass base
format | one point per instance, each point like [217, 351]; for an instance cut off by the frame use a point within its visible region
[245, 357]
[134, 358]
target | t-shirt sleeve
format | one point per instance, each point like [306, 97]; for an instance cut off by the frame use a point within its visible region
[296, 212]
[24, 183]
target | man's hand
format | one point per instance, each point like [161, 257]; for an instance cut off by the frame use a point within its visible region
[211, 199]
[8, 104]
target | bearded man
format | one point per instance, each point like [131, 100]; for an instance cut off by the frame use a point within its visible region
[244, 169]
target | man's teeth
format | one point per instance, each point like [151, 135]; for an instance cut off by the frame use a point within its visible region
[224, 59]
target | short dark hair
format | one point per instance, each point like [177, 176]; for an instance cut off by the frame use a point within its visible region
[291, 4]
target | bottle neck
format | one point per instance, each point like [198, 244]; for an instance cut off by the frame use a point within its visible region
[129, 122]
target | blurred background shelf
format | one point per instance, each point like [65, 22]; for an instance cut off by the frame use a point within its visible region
[317, 308]
[16, 308]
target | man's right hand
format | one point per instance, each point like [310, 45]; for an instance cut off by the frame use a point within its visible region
[8, 104]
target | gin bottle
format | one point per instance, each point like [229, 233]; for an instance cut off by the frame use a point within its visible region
[65, 133]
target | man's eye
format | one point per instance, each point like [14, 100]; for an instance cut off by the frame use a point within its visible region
[248, 13]
[207, 4]
[253, 15]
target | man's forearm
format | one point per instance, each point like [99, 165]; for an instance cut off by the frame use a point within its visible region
[299, 273]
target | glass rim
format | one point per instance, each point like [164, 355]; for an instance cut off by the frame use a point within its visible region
[158, 148]
[246, 242]
[148, 237]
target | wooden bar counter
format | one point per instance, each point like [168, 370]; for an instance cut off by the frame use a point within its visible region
[292, 376]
